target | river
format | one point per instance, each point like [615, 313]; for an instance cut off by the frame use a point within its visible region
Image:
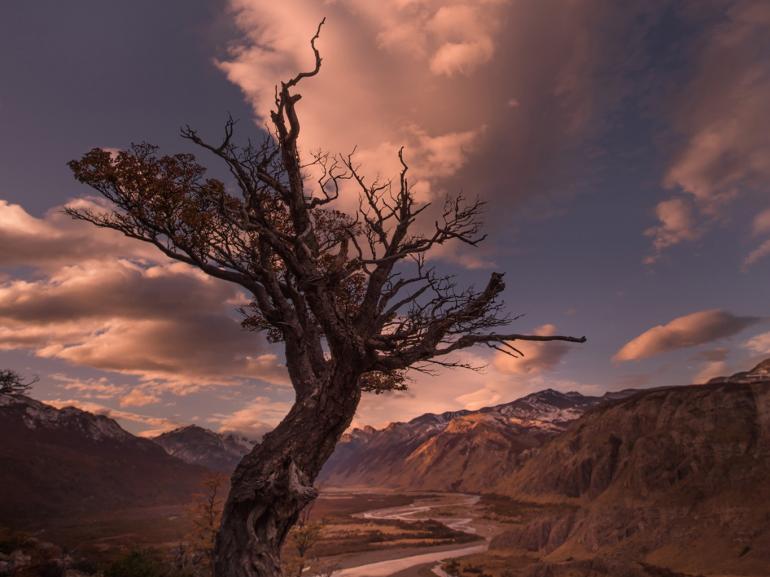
[383, 568]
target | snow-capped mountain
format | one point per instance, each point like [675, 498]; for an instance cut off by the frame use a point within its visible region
[459, 450]
[199, 446]
[36, 415]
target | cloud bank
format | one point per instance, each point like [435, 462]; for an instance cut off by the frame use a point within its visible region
[123, 309]
[465, 85]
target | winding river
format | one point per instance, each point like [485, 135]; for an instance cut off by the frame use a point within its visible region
[410, 513]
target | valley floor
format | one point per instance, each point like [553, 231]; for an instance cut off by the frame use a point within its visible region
[467, 529]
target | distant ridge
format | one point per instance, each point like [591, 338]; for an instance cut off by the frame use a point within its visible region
[472, 450]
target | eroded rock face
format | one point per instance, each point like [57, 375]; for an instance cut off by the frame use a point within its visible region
[668, 471]
[654, 443]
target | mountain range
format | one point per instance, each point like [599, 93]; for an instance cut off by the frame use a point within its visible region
[461, 450]
[674, 476]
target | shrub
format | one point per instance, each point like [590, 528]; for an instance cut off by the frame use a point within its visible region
[137, 564]
[51, 569]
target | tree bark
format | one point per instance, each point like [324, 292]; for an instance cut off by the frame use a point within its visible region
[274, 482]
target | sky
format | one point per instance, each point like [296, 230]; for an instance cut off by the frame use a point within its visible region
[623, 150]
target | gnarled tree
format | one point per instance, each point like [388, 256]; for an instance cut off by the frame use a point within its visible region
[351, 296]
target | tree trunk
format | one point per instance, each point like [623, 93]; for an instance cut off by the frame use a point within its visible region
[274, 482]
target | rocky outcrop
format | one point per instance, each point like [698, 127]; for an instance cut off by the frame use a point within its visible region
[759, 374]
[654, 443]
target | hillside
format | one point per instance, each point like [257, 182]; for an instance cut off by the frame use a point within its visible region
[678, 477]
[56, 462]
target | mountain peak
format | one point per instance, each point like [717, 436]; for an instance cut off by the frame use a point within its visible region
[186, 430]
[200, 446]
[438, 418]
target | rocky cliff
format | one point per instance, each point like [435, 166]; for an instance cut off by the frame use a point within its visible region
[677, 477]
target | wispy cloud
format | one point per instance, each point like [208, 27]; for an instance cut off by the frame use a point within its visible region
[721, 115]
[759, 344]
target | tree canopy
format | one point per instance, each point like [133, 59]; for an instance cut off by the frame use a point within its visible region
[12, 383]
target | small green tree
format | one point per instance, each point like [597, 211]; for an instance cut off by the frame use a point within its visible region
[206, 515]
[12, 383]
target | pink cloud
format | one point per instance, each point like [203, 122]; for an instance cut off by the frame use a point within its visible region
[685, 331]
[56, 240]
[139, 397]
[677, 224]
[761, 224]
[762, 251]
[438, 77]
[759, 344]
[709, 371]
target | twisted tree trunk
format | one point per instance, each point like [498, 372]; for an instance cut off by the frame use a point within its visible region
[274, 482]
